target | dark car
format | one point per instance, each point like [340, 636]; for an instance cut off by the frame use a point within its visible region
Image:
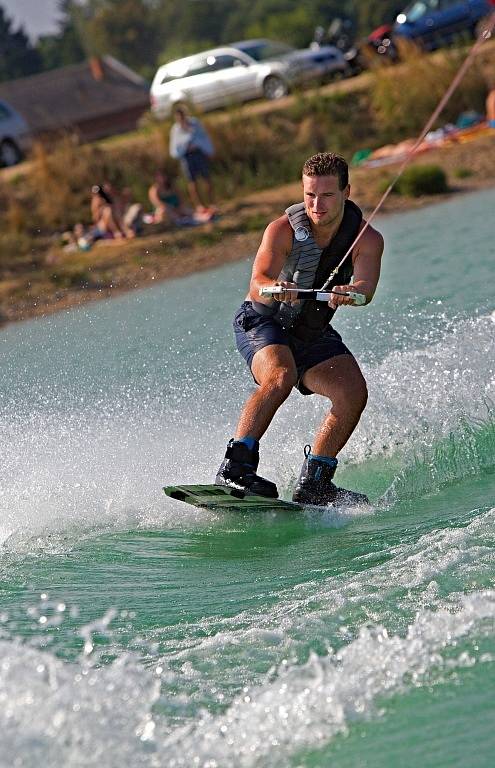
[434, 23]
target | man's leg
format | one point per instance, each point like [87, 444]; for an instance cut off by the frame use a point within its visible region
[274, 369]
[209, 196]
[193, 193]
[340, 379]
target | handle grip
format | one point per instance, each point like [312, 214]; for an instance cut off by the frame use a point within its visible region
[309, 293]
[358, 298]
[271, 290]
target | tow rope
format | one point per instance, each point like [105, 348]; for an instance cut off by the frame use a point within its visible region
[322, 294]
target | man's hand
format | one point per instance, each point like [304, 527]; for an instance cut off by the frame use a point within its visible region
[290, 297]
[338, 300]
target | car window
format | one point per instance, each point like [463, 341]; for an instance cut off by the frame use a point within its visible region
[176, 70]
[199, 66]
[416, 11]
[225, 62]
[267, 50]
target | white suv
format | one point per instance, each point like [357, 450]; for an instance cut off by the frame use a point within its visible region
[231, 74]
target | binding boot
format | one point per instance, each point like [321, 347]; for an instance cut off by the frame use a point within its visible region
[315, 484]
[238, 470]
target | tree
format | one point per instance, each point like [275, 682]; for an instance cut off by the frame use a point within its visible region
[192, 25]
[372, 15]
[143, 33]
[130, 30]
[126, 29]
[295, 27]
[64, 47]
[17, 56]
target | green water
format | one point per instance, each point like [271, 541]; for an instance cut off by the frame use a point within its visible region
[137, 631]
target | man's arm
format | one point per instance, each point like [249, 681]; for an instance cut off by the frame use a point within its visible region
[367, 262]
[270, 259]
[200, 139]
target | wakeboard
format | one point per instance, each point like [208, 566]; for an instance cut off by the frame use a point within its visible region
[220, 497]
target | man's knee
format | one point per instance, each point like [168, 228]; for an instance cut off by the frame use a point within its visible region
[280, 380]
[362, 396]
[352, 396]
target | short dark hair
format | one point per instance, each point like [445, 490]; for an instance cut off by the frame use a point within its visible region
[327, 164]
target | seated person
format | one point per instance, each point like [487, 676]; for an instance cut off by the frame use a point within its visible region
[106, 222]
[83, 237]
[166, 201]
[126, 211]
[77, 239]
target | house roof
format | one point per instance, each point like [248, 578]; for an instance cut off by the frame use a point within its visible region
[65, 97]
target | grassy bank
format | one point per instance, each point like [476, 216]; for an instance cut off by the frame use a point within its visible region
[260, 148]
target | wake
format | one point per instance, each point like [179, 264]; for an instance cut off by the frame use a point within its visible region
[73, 469]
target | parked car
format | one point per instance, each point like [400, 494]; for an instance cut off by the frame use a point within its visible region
[239, 72]
[320, 62]
[15, 137]
[434, 23]
[340, 34]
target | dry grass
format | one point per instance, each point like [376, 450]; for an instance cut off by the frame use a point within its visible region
[403, 97]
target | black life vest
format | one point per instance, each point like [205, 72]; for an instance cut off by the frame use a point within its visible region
[315, 316]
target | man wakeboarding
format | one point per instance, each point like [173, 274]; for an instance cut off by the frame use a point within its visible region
[289, 341]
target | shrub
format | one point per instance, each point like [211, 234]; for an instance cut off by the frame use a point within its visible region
[463, 173]
[252, 151]
[420, 180]
[343, 120]
[383, 184]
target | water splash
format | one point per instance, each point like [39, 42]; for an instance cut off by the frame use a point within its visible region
[238, 690]
[306, 706]
[73, 469]
[466, 453]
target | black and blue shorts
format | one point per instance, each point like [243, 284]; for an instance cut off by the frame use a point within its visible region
[254, 331]
[195, 164]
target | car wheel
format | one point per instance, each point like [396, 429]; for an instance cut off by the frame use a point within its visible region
[10, 154]
[274, 87]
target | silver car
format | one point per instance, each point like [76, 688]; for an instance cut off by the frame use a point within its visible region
[232, 74]
[15, 138]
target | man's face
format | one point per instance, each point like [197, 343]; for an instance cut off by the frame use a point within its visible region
[323, 199]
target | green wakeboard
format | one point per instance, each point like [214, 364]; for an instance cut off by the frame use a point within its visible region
[220, 497]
